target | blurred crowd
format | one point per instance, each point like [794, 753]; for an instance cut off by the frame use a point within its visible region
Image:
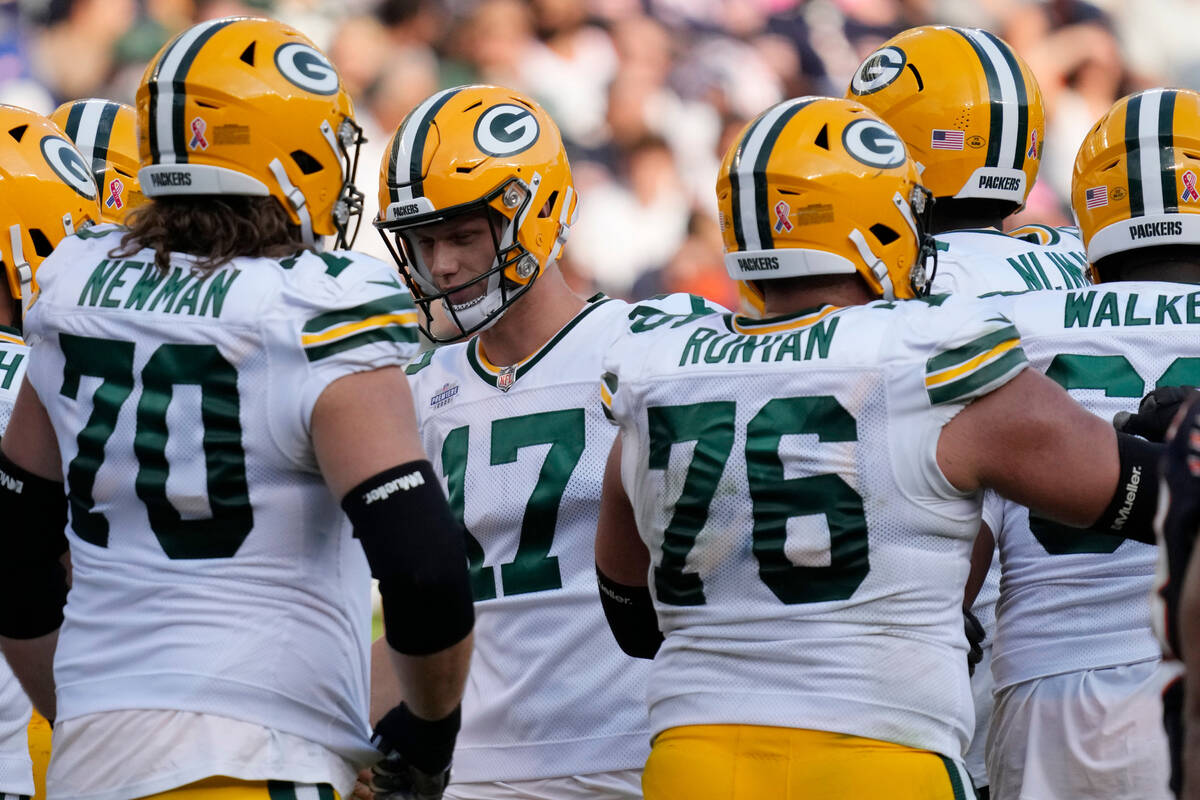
[648, 93]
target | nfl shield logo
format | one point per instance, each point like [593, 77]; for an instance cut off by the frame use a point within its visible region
[507, 377]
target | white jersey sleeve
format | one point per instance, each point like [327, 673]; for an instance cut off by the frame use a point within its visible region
[16, 770]
[214, 572]
[804, 543]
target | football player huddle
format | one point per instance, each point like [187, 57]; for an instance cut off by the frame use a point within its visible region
[875, 539]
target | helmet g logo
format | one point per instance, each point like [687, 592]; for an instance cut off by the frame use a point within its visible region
[307, 68]
[874, 144]
[506, 130]
[68, 164]
[879, 70]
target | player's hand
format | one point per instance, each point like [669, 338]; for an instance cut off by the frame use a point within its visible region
[1154, 413]
[1180, 518]
[975, 636]
[394, 778]
[416, 755]
[362, 786]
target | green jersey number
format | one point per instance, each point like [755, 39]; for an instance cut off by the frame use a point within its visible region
[775, 499]
[532, 569]
[169, 366]
[1116, 377]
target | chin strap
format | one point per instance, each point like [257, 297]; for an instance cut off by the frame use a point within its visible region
[296, 198]
[874, 263]
[22, 267]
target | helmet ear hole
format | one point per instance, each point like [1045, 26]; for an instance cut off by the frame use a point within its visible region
[883, 233]
[307, 164]
[548, 209]
[41, 244]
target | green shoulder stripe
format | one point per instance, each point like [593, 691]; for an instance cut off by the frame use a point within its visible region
[393, 303]
[405, 334]
[973, 348]
[420, 362]
[979, 381]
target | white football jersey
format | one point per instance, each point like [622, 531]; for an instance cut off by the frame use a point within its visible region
[984, 260]
[522, 452]
[213, 570]
[808, 555]
[1072, 601]
[16, 770]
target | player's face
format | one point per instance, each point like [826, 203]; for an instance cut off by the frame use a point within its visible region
[455, 251]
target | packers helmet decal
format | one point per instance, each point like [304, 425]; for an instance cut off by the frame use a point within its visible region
[874, 144]
[879, 70]
[820, 186]
[1135, 177]
[967, 107]
[68, 164]
[106, 135]
[307, 68]
[506, 130]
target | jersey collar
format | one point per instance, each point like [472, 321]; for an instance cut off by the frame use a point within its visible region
[782, 323]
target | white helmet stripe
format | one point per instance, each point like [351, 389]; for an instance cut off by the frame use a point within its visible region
[399, 177]
[746, 199]
[1147, 143]
[1009, 101]
[171, 67]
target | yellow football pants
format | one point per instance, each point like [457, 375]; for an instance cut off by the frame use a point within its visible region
[222, 788]
[751, 762]
[39, 733]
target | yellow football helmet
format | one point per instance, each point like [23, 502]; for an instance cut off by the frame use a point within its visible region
[967, 106]
[106, 134]
[821, 186]
[46, 192]
[467, 150]
[1136, 174]
[248, 106]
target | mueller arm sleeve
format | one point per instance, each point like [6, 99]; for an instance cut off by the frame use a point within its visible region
[33, 583]
[417, 551]
[631, 616]
[1130, 512]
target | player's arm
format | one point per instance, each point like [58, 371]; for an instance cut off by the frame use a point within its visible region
[33, 586]
[1032, 443]
[365, 436]
[622, 566]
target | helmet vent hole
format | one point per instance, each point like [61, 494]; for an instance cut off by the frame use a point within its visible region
[465, 169]
[917, 75]
[203, 104]
[822, 139]
[17, 132]
[41, 245]
[307, 164]
[1193, 156]
[473, 105]
[884, 234]
[248, 54]
[1110, 166]
[122, 172]
[548, 209]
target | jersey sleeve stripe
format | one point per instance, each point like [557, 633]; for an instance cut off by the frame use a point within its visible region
[11, 339]
[983, 380]
[406, 318]
[608, 387]
[403, 334]
[965, 352]
[956, 372]
[392, 304]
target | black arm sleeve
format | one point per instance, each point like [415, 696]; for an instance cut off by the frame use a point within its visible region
[630, 613]
[1130, 512]
[33, 583]
[417, 551]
